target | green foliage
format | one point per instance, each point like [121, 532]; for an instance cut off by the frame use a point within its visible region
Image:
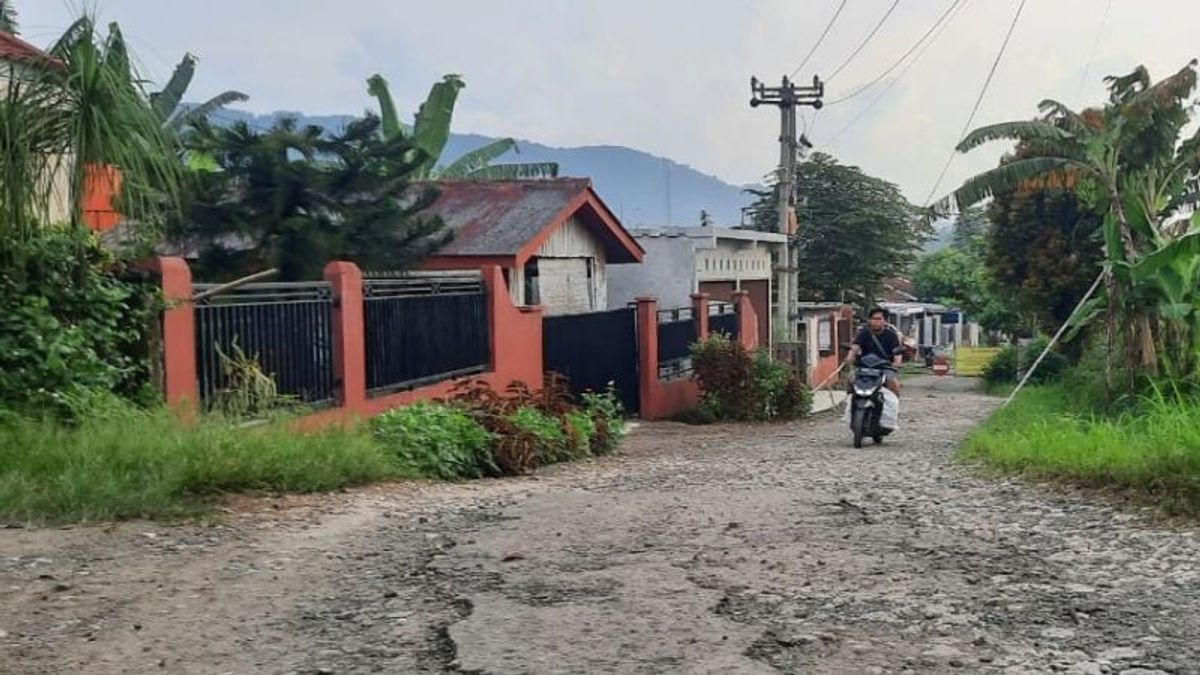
[739, 386]
[956, 276]
[122, 462]
[530, 428]
[166, 103]
[296, 198]
[1012, 362]
[551, 439]
[608, 418]
[72, 329]
[855, 230]
[1125, 160]
[249, 392]
[431, 130]
[435, 440]
[58, 124]
[1151, 451]
[1043, 250]
[8, 17]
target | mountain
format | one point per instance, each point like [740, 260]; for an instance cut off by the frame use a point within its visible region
[642, 189]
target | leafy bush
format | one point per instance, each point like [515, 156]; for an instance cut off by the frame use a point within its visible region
[72, 330]
[1002, 368]
[436, 440]
[548, 431]
[1006, 366]
[608, 418]
[581, 430]
[741, 386]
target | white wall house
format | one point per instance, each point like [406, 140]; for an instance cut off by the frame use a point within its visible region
[718, 261]
[554, 239]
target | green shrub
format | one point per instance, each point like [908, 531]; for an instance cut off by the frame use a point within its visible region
[739, 386]
[1011, 363]
[552, 443]
[435, 440]
[608, 418]
[72, 330]
[582, 429]
[1002, 368]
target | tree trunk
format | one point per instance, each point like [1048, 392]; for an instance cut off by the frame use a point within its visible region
[1140, 352]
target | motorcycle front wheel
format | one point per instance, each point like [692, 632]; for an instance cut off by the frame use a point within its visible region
[858, 424]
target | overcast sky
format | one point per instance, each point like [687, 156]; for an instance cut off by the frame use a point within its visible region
[669, 77]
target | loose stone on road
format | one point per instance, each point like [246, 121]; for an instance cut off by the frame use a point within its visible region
[763, 549]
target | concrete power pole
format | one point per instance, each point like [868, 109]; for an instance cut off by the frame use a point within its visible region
[786, 97]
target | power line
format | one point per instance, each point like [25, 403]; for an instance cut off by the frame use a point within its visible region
[941, 27]
[864, 42]
[1095, 47]
[821, 39]
[872, 83]
[978, 101]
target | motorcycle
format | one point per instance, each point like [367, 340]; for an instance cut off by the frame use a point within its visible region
[867, 399]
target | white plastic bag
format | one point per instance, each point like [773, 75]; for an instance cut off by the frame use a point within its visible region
[890, 417]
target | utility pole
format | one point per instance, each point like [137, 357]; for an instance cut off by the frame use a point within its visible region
[786, 97]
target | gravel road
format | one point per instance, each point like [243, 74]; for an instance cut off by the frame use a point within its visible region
[723, 549]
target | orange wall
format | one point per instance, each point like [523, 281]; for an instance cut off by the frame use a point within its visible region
[100, 188]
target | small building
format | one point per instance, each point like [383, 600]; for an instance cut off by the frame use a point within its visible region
[821, 329]
[718, 261]
[554, 239]
[928, 324]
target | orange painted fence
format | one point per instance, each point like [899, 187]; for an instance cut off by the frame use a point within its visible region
[515, 348]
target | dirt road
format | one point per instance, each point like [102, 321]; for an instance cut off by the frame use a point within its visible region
[698, 550]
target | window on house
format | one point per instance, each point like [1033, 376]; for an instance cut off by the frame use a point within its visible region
[532, 289]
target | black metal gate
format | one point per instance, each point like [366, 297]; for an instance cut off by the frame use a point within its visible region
[592, 350]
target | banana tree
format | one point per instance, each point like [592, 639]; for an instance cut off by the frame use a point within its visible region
[1170, 279]
[1124, 159]
[430, 132]
[167, 102]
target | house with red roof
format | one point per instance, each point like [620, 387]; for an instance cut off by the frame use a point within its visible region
[553, 238]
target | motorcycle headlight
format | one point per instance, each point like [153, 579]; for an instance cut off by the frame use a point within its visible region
[864, 392]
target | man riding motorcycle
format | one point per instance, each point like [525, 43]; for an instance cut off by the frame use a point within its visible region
[881, 339]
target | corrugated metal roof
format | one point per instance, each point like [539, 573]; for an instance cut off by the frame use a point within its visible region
[500, 218]
[13, 48]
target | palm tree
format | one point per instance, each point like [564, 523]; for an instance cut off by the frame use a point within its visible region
[1124, 159]
[167, 102]
[8, 17]
[431, 130]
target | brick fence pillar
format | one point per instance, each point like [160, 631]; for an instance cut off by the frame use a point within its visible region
[349, 342]
[747, 320]
[181, 389]
[647, 335]
[700, 312]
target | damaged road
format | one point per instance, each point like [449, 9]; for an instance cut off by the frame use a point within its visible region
[773, 549]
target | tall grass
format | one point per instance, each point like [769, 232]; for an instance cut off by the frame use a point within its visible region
[128, 463]
[1052, 432]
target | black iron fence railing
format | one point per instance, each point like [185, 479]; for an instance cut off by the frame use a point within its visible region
[676, 333]
[424, 329]
[284, 329]
[723, 319]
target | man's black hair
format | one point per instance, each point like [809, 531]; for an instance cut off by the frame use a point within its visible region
[876, 310]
